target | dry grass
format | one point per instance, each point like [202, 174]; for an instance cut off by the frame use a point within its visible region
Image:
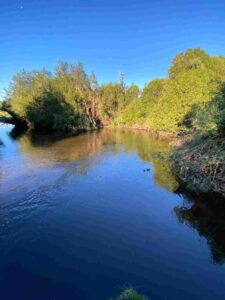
[200, 164]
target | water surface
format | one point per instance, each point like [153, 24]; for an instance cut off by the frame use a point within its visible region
[81, 217]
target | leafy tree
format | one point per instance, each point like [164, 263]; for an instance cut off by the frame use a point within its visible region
[153, 90]
[112, 101]
[188, 99]
[50, 110]
[24, 88]
[210, 117]
[71, 81]
[132, 93]
[167, 105]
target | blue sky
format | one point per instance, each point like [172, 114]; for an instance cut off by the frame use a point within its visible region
[138, 38]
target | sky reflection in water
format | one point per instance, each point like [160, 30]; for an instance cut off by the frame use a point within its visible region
[80, 217]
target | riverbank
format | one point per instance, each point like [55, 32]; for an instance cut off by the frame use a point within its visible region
[165, 135]
[200, 164]
[6, 118]
[190, 99]
[197, 162]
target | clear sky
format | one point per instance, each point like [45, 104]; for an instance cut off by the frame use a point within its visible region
[136, 37]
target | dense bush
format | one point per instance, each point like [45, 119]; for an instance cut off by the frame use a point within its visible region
[66, 99]
[137, 112]
[50, 110]
[199, 162]
[189, 99]
[209, 117]
[167, 105]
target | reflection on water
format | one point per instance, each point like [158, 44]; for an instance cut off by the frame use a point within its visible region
[80, 217]
[206, 215]
[50, 149]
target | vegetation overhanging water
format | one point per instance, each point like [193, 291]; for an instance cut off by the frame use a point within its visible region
[189, 103]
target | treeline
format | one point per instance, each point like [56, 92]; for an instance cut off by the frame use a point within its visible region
[180, 103]
[200, 161]
[190, 99]
[189, 102]
[67, 99]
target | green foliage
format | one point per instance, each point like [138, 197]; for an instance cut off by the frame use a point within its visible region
[25, 87]
[190, 99]
[199, 163]
[167, 105]
[73, 83]
[4, 114]
[138, 109]
[112, 100]
[131, 93]
[130, 294]
[192, 59]
[209, 117]
[50, 110]
[219, 115]
[153, 91]
[75, 99]
[133, 114]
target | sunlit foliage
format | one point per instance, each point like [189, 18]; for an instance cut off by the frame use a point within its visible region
[176, 104]
[67, 99]
[166, 105]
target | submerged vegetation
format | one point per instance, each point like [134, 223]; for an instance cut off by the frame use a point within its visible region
[130, 294]
[189, 103]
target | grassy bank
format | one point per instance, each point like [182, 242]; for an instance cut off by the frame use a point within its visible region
[200, 164]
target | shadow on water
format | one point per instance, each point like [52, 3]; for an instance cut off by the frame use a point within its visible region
[206, 215]
[18, 131]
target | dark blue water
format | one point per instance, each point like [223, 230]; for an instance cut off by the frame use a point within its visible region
[82, 217]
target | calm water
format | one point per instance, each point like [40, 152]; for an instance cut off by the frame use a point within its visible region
[82, 217]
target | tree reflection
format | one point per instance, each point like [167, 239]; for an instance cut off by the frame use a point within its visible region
[80, 152]
[207, 216]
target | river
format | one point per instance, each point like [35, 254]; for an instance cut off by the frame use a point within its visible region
[82, 217]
